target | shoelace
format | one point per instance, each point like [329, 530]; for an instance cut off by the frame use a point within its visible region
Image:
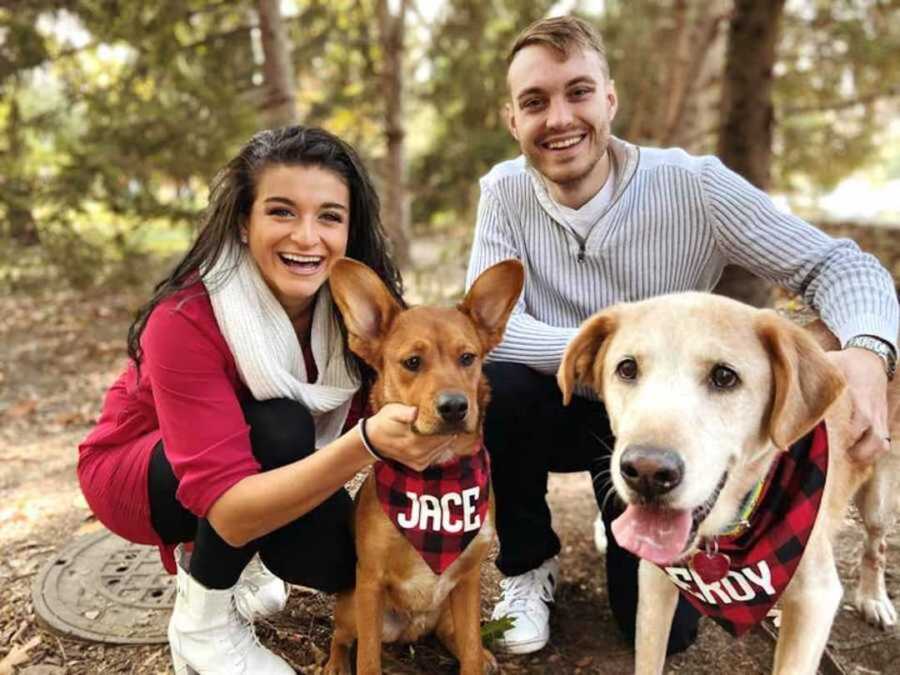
[521, 591]
[244, 638]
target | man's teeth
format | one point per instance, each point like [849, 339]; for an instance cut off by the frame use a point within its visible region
[567, 143]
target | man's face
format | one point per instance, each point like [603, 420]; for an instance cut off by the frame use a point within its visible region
[560, 114]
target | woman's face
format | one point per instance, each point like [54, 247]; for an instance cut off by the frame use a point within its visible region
[298, 227]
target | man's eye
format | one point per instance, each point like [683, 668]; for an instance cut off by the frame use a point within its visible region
[413, 363]
[467, 359]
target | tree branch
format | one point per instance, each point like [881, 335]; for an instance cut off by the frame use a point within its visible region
[863, 99]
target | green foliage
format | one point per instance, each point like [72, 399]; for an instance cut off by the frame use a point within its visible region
[467, 89]
[114, 114]
[493, 630]
[837, 84]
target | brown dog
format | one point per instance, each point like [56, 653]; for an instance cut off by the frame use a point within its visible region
[705, 396]
[429, 358]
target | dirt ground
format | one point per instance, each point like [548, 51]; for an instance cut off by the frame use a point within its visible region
[60, 349]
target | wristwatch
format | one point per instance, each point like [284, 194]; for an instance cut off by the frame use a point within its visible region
[879, 347]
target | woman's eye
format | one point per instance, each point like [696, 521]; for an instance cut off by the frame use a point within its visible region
[723, 377]
[333, 217]
[280, 213]
[627, 369]
[413, 363]
[467, 359]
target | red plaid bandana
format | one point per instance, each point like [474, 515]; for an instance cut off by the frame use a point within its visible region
[439, 510]
[765, 555]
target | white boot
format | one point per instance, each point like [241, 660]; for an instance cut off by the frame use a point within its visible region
[208, 636]
[259, 593]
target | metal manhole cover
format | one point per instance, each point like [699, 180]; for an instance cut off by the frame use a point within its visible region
[103, 588]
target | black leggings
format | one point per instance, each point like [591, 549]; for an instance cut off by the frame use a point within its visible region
[529, 433]
[316, 550]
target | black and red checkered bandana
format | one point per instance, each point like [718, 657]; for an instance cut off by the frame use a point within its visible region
[438, 510]
[764, 555]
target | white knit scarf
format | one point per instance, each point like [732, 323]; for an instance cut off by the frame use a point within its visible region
[268, 355]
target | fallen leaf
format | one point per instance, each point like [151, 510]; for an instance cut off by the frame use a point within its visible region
[17, 655]
[22, 408]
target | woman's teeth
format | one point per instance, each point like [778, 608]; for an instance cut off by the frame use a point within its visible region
[294, 260]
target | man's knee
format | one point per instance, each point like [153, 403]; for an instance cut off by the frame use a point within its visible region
[513, 387]
[281, 431]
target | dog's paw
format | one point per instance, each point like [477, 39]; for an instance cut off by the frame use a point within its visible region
[490, 663]
[877, 608]
[600, 534]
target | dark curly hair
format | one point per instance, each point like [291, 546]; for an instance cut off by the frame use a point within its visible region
[232, 194]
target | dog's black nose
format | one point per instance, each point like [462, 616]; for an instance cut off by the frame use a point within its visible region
[651, 471]
[452, 406]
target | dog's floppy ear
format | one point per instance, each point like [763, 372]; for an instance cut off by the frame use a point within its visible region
[805, 382]
[491, 299]
[582, 362]
[366, 304]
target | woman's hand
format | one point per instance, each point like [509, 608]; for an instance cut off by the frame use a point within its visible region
[390, 431]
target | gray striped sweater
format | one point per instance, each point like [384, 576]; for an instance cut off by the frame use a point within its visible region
[673, 223]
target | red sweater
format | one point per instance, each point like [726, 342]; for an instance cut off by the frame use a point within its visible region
[188, 394]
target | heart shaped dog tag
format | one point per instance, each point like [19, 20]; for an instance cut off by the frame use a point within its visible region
[710, 567]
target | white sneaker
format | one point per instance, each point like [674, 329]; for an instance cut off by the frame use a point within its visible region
[259, 593]
[207, 635]
[526, 599]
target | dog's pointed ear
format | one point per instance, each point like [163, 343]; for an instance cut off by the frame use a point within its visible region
[491, 300]
[366, 304]
[582, 362]
[805, 382]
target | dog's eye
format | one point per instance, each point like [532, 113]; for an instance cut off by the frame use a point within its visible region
[627, 369]
[723, 377]
[413, 363]
[467, 359]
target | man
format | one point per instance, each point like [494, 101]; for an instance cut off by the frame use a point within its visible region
[598, 221]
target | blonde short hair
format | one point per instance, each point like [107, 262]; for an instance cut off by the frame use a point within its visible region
[564, 34]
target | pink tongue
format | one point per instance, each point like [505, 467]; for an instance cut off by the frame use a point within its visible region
[659, 535]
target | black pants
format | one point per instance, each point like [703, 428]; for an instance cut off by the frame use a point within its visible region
[529, 433]
[316, 550]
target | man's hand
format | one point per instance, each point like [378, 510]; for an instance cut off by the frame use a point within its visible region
[867, 386]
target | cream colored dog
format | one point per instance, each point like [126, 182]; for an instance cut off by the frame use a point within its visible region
[703, 393]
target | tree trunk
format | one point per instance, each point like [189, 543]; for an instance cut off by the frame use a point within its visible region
[745, 140]
[279, 107]
[395, 211]
[19, 194]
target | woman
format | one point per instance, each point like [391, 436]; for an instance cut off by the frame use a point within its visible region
[233, 426]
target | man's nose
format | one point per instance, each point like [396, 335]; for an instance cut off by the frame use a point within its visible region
[559, 115]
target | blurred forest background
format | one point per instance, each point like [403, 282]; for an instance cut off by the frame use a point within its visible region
[115, 114]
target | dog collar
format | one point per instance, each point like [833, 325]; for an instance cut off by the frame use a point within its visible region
[440, 510]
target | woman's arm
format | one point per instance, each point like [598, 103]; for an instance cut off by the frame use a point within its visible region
[261, 503]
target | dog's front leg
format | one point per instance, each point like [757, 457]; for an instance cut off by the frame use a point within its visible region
[657, 598]
[808, 608]
[369, 623]
[465, 607]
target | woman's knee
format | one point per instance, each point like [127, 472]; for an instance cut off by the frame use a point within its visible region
[317, 550]
[281, 431]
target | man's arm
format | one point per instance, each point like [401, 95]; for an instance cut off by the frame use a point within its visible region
[527, 340]
[849, 289]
